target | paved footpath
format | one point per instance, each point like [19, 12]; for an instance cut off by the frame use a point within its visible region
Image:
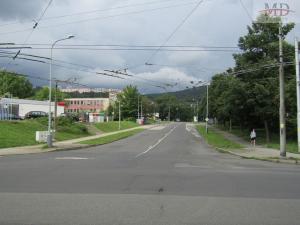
[250, 152]
[62, 145]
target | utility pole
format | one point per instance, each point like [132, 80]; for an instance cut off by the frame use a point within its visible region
[119, 115]
[55, 107]
[206, 119]
[298, 89]
[138, 106]
[169, 115]
[282, 97]
[141, 108]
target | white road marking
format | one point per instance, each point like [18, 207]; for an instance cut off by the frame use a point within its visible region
[186, 165]
[72, 158]
[192, 130]
[158, 128]
[157, 143]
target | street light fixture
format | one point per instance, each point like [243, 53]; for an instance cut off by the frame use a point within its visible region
[49, 136]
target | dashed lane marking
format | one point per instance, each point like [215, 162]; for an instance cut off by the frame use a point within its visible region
[157, 143]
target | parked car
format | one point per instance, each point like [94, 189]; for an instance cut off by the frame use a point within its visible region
[35, 114]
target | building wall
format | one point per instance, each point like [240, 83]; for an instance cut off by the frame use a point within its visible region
[26, 106]
[75, 105]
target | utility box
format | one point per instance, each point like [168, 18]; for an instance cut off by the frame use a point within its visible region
[41, 136]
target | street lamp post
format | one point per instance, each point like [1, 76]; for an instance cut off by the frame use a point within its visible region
[49, 136]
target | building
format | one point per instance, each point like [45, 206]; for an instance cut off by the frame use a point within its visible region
[90, 105]
[86, 90]
[18, 108]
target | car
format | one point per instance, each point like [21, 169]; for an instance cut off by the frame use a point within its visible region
[35, 114]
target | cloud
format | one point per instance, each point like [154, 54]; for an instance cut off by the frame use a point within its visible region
[215, 23]
[15, 10]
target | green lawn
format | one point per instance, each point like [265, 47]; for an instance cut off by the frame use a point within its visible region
[19, 133]
[216, 139]
[291, 145]
[22, 133]
[114, 126]
[112, 138]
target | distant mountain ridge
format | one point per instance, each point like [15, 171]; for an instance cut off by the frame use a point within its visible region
[187, 95]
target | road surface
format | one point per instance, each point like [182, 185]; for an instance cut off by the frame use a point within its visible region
[165, 176]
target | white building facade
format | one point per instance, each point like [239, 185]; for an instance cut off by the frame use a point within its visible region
[20, 107]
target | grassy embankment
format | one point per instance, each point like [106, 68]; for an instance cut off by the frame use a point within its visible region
[216, 139]
[22, 133]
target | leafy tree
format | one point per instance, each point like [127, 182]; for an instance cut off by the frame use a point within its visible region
[129, 102]
[43, 94]
[15, 84]
[251, 97]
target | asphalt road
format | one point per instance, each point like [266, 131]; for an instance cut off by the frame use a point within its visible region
[166, 176]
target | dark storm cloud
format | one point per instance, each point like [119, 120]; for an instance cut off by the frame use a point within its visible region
[21, 10]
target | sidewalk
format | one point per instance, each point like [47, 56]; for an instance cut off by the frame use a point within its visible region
[62, 145]
[259, 152]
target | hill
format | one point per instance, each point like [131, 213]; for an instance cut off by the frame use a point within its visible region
[185, 95]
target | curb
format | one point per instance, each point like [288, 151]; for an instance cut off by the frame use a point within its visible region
[273, 160]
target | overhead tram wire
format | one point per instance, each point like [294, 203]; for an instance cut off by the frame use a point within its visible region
[246, 10]
[94, 11]
[90, 72]
[34, 27]
[103, 17]
[176, 29]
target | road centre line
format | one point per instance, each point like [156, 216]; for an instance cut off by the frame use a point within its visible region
[73, 158]
[157, 143]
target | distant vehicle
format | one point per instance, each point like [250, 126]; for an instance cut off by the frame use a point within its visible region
[35, 114]
[177, 120]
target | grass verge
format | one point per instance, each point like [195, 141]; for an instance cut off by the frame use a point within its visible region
[22, 133]
[216, 139]
[114, 126]
[291, 145]
[112, 138]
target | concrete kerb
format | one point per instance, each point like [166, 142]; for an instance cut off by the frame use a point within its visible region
[72, 146]
[267, 159]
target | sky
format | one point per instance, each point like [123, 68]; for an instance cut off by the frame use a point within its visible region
[101, 28]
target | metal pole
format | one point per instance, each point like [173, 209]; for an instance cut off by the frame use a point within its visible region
[55, 107]
[141, 108]
[298, 88]
[138, 106]
[119, 115]
[49, 137]
[206, 119]
[282, 97]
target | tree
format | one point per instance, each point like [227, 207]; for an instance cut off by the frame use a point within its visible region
[129, 102]
[43, 94]
[15, 84]
[251, 97]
